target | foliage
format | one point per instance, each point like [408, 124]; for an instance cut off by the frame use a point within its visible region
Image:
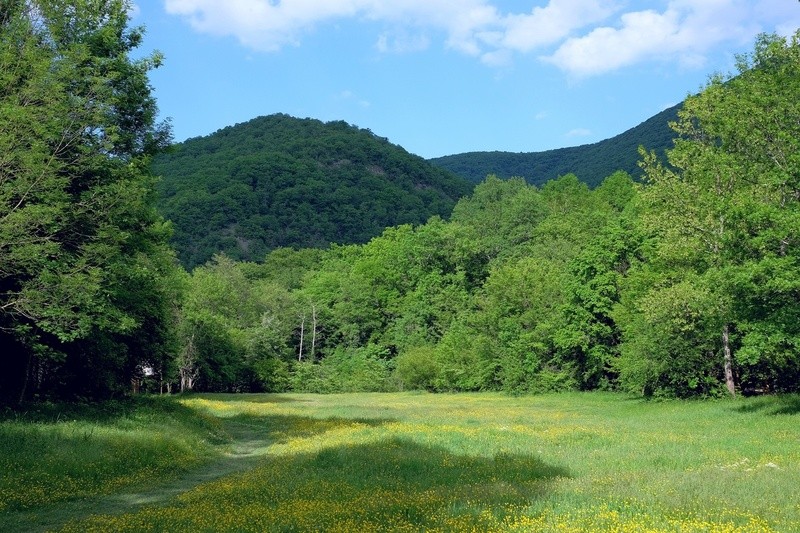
[722, 292]
[685, 285]
[416, 368]
[590, 162]
[86, 275]
[279, 181]
[362, 369]
[241, 327]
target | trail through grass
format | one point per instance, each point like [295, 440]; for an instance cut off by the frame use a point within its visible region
[466, 462]
[247, 443]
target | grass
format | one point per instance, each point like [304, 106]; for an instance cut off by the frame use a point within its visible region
[423, 462]
[56, 453]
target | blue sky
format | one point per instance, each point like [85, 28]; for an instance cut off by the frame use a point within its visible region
[440, 77]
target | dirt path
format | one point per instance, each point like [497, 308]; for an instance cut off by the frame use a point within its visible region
[249, 444]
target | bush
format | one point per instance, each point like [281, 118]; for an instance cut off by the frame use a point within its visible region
[366, 369]
[273, 374]
[416, 368]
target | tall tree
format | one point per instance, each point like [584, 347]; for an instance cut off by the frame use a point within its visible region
[81, 248]
[726, 211]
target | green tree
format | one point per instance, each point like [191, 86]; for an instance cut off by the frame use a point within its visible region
[725, 211]
[587, 335]
[80, 246]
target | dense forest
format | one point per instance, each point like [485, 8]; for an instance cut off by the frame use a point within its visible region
[590, 162]
[280, 181]
[686, 283]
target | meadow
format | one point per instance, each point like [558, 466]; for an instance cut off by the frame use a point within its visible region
[404, 462]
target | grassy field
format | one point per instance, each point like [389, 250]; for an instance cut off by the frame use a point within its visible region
[406, 462]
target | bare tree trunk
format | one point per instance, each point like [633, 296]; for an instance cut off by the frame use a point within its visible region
[313, 330]
[302, 332]
[726, 350]
[187, 366]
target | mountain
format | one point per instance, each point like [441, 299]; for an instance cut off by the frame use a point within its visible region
[590, 162]
[280, 181]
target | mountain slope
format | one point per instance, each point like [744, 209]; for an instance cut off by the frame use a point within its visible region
[590, 162]
[281, 181]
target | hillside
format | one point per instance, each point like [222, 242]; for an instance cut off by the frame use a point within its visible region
[590, 162]
[280, 181]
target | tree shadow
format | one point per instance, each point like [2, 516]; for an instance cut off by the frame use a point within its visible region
[391, 484]
[255, 397]
[298, 473]
[788, 404]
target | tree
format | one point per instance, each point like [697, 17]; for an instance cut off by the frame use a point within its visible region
[81, 247]
[725, 211]
[587, 334]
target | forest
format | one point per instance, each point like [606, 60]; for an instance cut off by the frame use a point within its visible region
[590, 162]
[685, 283]
[280, 181]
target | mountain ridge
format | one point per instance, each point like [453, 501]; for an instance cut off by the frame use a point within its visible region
[591, 163]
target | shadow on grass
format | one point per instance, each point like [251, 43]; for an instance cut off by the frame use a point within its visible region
[280, 428]
[392, 484]
[297, 473]
[62, 471]
[256, 397]
[109, 412]
[788, 404]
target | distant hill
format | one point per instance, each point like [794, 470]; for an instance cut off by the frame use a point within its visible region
[280, 181]
[590, 162]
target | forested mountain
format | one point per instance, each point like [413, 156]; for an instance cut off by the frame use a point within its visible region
[590, 162]
[687, 284]
[280, 181]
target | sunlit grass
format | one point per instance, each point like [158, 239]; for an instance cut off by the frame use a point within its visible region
[488, 462]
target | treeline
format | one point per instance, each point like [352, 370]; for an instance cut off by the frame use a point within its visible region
[590, 162]
[685, 285]
[279, 181]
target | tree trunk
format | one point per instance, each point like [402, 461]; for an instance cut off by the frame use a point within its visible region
[726, 350]
[313, 330]
[302, 332]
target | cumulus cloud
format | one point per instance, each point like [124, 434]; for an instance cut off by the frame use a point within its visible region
[684, 32]
[581, 37]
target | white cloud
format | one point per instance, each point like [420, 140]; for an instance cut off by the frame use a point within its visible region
[402, 42]
[579, 132]
[550, 24]
[581, 37]
[684, 32]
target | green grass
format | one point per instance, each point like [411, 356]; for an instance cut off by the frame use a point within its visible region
[480, 462]
[60, 452]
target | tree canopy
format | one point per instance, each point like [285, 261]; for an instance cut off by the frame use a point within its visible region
[683, 284]
[280, 181]
[590, 162]
[84, 260]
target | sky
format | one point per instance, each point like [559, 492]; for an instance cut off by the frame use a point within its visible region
[442, 77]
